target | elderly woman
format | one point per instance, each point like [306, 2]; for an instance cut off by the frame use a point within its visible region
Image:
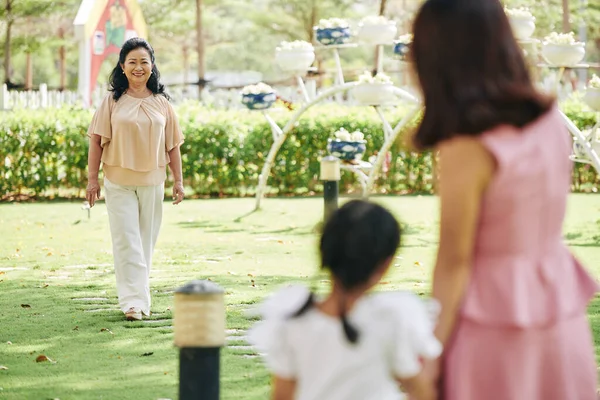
[513, 319]
[135, 133]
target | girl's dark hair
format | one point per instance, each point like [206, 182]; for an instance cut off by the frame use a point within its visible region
[118, 81]
[356, 240]
[471, 70]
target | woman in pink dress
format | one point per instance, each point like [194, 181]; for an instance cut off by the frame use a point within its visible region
[514, 299]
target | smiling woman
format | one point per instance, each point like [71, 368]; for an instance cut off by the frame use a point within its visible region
[135, 134]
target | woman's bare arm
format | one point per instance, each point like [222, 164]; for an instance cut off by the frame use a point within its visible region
[466, 169]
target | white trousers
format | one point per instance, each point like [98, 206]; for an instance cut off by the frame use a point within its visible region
[134, 215]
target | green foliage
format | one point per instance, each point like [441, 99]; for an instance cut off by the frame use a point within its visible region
[224, 151]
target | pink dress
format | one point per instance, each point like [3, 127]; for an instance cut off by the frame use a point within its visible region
[523, 333]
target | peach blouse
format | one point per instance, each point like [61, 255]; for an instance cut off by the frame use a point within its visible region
[137, 135]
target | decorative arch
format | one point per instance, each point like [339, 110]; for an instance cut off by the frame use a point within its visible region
[101, 27]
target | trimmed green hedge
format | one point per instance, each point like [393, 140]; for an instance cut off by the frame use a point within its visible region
[46, 150]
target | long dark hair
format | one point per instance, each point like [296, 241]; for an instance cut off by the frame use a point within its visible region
[118, 81]
[471, 70]
[356, 241]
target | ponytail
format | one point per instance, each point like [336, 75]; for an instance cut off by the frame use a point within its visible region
[349, 330]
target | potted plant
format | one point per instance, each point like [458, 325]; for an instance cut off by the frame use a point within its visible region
[522, 22]
[592, 94]
[377, 30]
[258, 97]
[333, 31]
[402, 45]
[347, 146]
[374, 90]
[295, 56]
[562, 50]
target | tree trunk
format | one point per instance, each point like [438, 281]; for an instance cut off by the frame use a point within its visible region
[62, 60]
[200, 48]
[186, 67]
[9, 23]
[566, 16]
[29, 72]
[382, 5]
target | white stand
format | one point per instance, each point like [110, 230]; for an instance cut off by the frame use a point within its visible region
[390, 133]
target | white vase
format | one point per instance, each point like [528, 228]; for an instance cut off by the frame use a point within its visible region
[378, 34]
[374, 93]
[523, 27]
[295, 60]
[563, 55]
[592, 98]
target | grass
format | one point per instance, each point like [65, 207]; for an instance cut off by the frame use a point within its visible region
[57, 290]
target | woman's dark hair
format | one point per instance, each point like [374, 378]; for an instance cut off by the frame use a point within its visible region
[471, 70]
[356, 240]
[118, 81]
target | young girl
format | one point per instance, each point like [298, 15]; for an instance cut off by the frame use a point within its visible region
[349, 346]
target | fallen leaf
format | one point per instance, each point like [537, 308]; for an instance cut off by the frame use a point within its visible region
[43, 358]
[231, 273]
[25, 306]
[147, 354]
[76, 328]
[3, 368]
[280, 241]
[106, 330]
[2, 272]
[9, 342]
[49, 254]
[251, 275]
[418, 264]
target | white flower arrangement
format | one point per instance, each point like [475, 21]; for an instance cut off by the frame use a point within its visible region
[375, 20]
[296, 45]
[561, 39]
[521, 13]
[380, 78]
[259, 88]
[345, 136]
[333, 23]
[406, 39]
[594, 82]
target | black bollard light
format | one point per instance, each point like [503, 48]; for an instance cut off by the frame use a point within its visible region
[199, 327]
[330, 175]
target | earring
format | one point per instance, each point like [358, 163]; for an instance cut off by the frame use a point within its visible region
[123, 72]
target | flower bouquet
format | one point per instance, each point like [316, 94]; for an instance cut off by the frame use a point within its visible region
[562, 50]
[522, 22]
[402, 45]
[377, 30]
[333, 31]
[258, 97]
[347, 146]
[592, 94]
[374, 90]
[295, 56]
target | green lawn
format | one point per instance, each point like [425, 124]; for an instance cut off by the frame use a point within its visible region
[57, 294]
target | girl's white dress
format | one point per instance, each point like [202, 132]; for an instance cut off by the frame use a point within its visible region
[395, 332]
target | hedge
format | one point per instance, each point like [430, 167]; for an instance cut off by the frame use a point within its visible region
[44, 151]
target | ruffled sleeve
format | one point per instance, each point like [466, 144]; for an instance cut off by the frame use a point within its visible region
[413, 321]
[173, 134]
[101, 122]
[270, 336]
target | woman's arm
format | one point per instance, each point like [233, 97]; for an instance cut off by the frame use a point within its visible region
[419, 387]
[94, 156]
[283, 389]
[466, 169]
[175, 166]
